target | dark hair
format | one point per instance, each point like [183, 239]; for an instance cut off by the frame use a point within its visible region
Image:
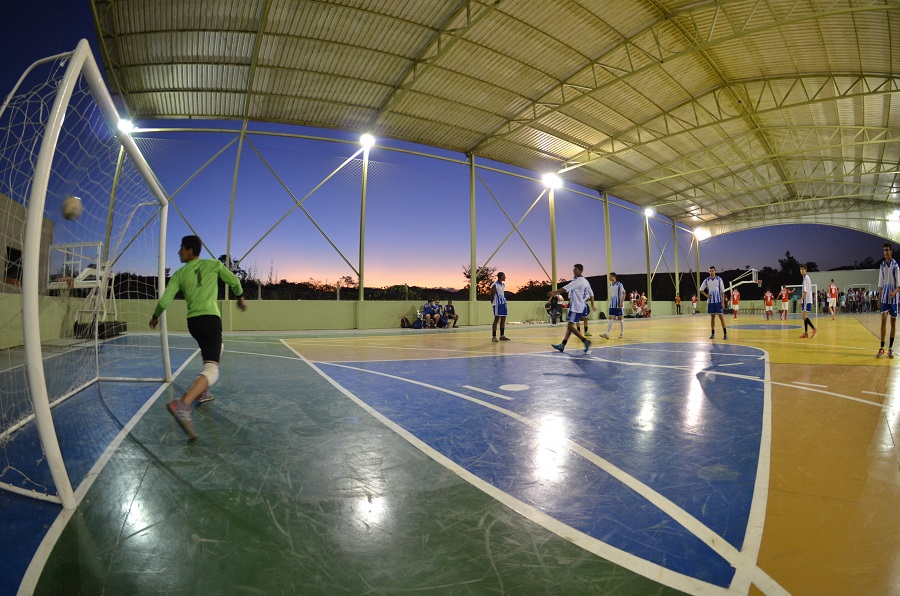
[613, 274]
[579, 266]
[499, 273]
[193, 244]
[889, 245]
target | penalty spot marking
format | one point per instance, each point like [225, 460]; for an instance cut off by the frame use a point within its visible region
[513, 387]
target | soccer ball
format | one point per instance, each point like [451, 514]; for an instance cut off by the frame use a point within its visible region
[72, 207]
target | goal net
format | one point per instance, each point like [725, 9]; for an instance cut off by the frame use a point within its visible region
[77, 293]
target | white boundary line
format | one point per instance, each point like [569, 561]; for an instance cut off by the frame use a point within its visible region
[809, 384]
[486, 392]
[878, 394]
[627, 560]
[33, 573]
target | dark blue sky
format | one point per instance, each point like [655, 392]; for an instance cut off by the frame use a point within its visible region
[44, 27]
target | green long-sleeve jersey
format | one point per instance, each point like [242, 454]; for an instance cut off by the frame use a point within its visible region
[198, 280]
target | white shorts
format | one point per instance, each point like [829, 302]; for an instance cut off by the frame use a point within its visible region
[784, 305]
[735, 307]
[832, 302]
[769, 308]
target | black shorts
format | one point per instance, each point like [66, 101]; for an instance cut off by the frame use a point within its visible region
[207, 330]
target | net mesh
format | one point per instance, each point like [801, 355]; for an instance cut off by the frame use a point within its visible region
[98, 271]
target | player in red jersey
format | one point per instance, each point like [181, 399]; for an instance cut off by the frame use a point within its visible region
[785, 296]
[769, 298]
[735, 302]
[832, 298]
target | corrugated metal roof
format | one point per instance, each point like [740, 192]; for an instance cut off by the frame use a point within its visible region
[739, 111]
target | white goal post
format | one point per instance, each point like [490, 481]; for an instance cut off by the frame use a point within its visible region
[81, 65]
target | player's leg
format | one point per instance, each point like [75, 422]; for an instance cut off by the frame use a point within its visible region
[724, 330]
[494, 326]
[893, 315]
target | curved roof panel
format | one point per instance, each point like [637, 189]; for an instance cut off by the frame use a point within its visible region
[728, 112]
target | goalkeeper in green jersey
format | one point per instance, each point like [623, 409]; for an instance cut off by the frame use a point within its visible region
[198, 280]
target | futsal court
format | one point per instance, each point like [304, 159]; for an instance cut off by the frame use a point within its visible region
[438, 462]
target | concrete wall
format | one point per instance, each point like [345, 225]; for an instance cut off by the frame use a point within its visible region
[58, 315]
[854, 278]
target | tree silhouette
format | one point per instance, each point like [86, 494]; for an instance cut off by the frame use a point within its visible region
[484, 277]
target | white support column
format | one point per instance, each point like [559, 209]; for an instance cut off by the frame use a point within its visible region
[473, 263]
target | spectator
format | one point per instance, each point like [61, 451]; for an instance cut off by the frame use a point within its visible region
[554, 309]
[450, 313]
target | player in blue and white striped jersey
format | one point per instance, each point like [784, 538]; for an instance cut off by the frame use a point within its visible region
[498, 303]
[714, 289]
[889, 282]
[616, 303]
[580, 292]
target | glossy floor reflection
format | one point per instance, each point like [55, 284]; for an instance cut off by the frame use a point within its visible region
[440, 463]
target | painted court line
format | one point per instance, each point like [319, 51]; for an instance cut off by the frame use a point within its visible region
[588, 543]
[33, 573]
[724, 549]
[486, 392]
[876, 393]
[809, 384]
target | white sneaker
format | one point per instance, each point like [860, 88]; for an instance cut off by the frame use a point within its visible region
[604, 335]
[621, 337]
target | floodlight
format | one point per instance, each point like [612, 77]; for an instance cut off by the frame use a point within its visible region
[126, 126]
[702, 233]
[649, 211]
[894, 216]
[367, 140]
[552, 181]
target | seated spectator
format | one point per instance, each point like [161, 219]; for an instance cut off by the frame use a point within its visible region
[430, 314]
[554, 309]
[450, 313]
[439, 311]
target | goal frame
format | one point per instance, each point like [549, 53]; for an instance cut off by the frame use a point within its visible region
[81, 63]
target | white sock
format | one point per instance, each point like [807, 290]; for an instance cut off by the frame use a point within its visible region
[621, 327]
[609, 327]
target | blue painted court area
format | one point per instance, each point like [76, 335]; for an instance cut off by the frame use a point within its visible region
[682, 421]
[86, 424]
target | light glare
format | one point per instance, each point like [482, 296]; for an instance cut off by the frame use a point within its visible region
[367, 140]
[649, 212]
[702, 233]
[126, 126]
[552, 181]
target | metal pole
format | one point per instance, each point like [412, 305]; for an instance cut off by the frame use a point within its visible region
[609, 266]
[675, 246]
[473, 264]
[552, 241]
[696, 242]
[362, 226]
[647, 241]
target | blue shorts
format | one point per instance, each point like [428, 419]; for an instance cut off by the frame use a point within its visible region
[615, 312]
[714, 308]
[500, 310]
[888, 307]
[574, 317]
[807, 307]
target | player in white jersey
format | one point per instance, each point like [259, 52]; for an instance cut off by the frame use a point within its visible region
[579, 291]
[806, 304]
[616, 302]
[889, 283]
[714, 289]
[498, 303]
